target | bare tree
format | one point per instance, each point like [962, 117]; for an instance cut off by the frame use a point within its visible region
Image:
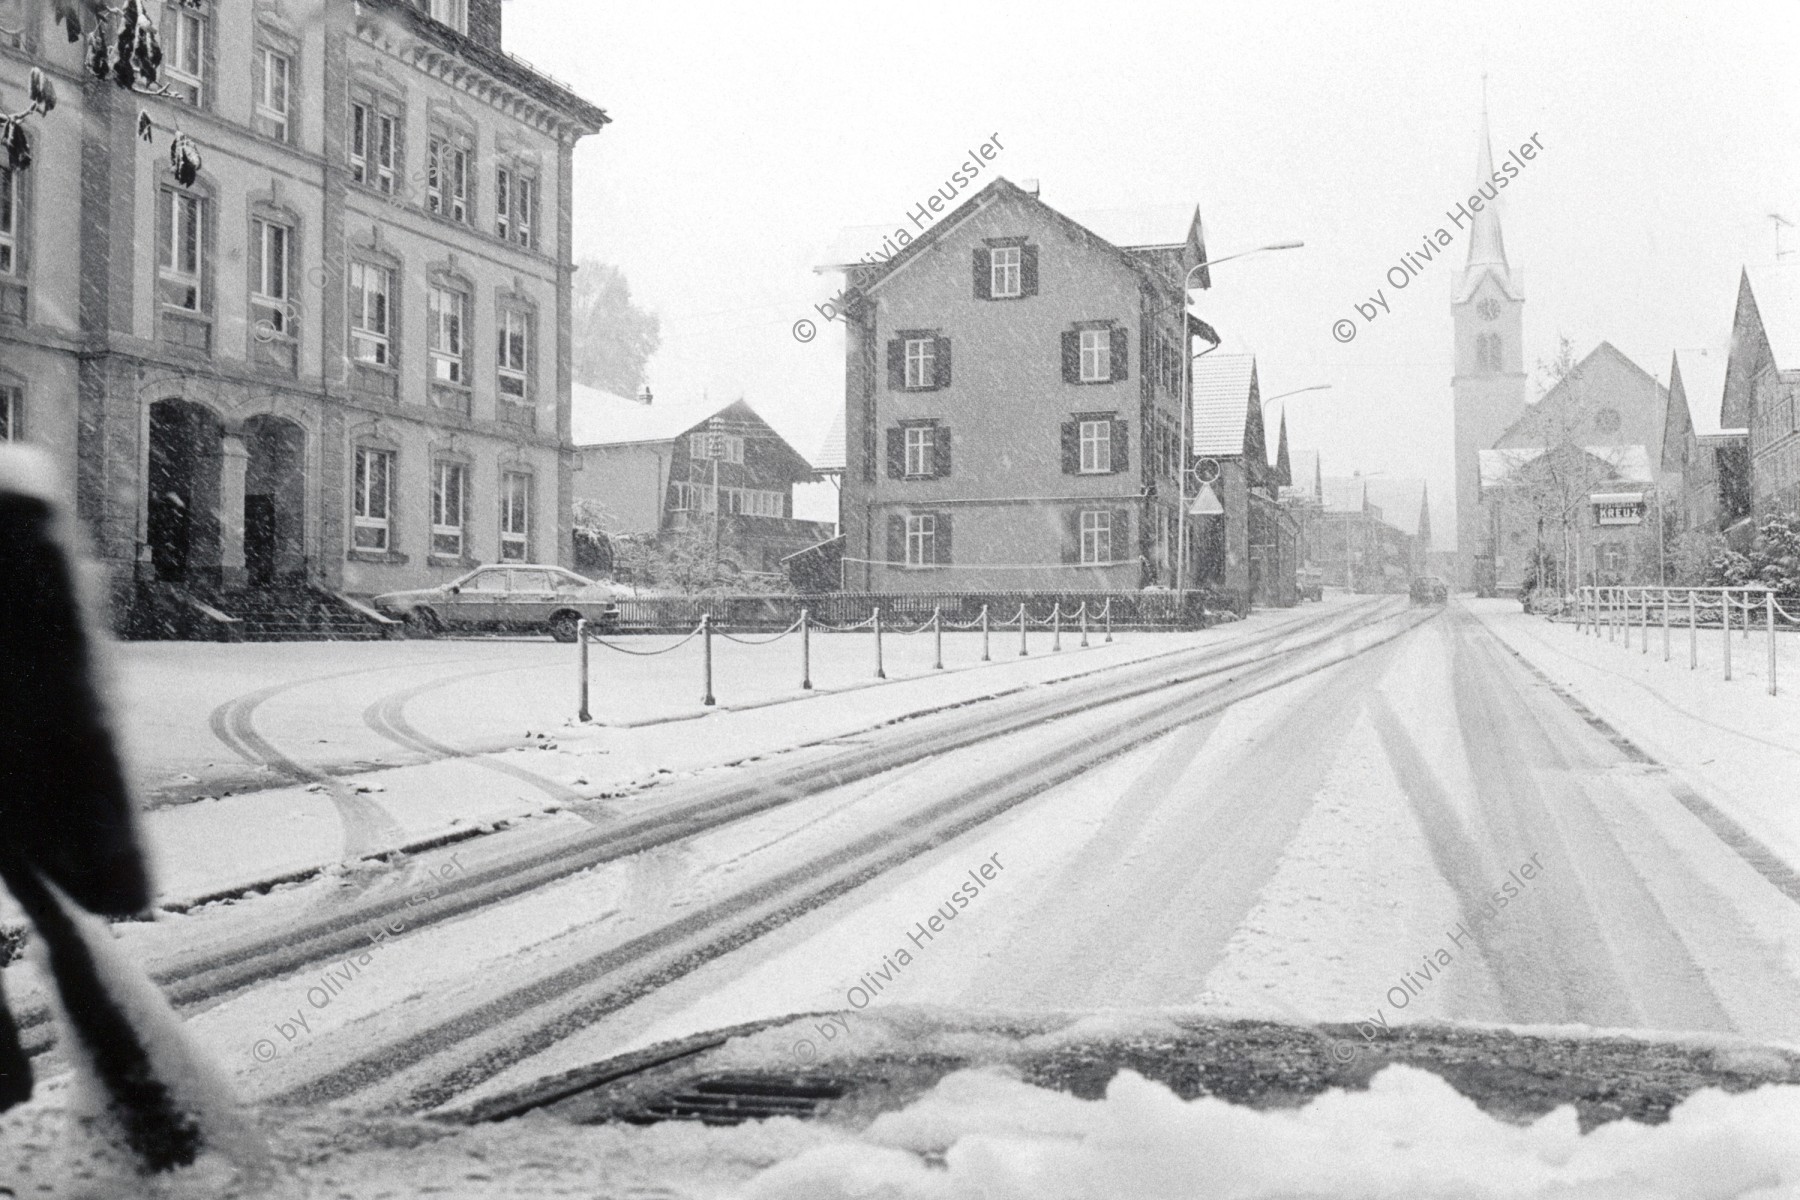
[614, 339]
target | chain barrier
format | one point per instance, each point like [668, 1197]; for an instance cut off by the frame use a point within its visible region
[1617, 608]
[805, 624]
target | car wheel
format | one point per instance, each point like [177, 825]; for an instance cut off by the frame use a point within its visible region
[562, 626]
[423, 623]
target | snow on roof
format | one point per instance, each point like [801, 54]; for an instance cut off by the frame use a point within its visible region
[1703, 383]
[1343, 494]
[1141, 226]
[1777, 292]
[1400, 501]
[1630, 464]
[1222, 402]
[832, 456]
[854, 244]
[601, 418]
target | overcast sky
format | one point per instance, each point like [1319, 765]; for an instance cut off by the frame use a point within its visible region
[746, 136]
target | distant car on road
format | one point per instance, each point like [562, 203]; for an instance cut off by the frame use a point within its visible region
[509, 596]
[1311, 582]
[1429, 589]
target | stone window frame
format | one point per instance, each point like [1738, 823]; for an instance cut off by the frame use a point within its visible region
[523, 167]
[375, 442]
[508, 472]
[206, 83]
[448, 276]
[267, 210]
[382, 379]
[448, 123]
[381, 97]
[516, 301]
[205, 315]
[270, 37]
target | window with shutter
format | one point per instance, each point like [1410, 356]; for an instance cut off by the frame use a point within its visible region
[921, 362]
[920, 454]
[896, 452]
[1096, 356]
[1096, 537]
[1096, 447]
[921, 540]
[1121, 350]
[1005, 262]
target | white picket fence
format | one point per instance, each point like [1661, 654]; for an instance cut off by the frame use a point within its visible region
[1614, 611]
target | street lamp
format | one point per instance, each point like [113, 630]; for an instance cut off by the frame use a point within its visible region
[1317, 387]
[1187, 410]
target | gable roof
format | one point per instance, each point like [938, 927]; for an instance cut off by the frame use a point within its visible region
[1628, 464]
[601, 418]
[1402, 502]
[1776, 293]
[1344, 494]
[1523, 426]
[1284, 471]
[832, 456]
[1224, 400]
[1002, 188]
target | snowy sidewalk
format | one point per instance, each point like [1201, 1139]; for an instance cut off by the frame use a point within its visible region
[1735, 743]
[298, 757]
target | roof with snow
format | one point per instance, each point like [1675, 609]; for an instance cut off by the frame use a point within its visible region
[1344, 494]
[1223, 396]
[1402, 501]
[1777, 294]
[832, 456]
[1145, 227]
[598, 417]
[1629, 464]
[1703, 383]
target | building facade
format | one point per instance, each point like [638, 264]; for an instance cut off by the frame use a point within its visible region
[1012, 416]
[338, 359]
[718, 470]
[1763, 384]
[1247, 546]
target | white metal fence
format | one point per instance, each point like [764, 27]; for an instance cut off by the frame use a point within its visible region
[1614, 611]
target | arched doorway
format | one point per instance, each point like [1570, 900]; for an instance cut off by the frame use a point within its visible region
[274, 500]
[182, 481]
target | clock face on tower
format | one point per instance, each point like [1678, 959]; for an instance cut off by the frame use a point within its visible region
[1488, 309]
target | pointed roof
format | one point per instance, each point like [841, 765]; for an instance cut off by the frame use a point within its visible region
[1284, 473]
[1678, 425]
[601, 418]
[1487, 248]
[832, 458]
[1776, 293]
[1227, 418]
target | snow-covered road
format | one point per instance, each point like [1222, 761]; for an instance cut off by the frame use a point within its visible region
[1395, 822]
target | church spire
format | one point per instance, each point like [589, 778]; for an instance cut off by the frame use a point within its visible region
[1486, 247]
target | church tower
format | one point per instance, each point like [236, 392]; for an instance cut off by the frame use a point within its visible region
[1488, 389]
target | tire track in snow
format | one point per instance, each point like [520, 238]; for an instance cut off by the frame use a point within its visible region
[387, 718]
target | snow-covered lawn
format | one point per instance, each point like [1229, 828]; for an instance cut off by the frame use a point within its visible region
[265, 761]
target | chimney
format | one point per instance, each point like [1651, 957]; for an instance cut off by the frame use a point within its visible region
[643, 396]
[1029, 186]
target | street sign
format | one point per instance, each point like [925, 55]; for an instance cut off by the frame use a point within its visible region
[1619, 508]
[1206, 503]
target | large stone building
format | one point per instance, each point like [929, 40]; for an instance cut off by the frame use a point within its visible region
[340, 359]
[1012, 410]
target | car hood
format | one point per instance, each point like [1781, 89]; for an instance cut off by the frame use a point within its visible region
[849, 1068]
[410, 594]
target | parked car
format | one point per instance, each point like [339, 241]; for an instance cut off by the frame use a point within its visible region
[1311, 581]
[510, 596]
[1429, 589]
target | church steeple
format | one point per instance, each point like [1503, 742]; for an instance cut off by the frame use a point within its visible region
[1486, 247]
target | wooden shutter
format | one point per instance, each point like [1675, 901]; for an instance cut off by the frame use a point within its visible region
[984, 274]
[1028, 270]
[1121, 350]
[896, 364]
[896, 554]
[896, 456]
[940, 450]
[1122, 546]
[942, 538]
[1121, 445]
[1071, 356]
[941, 363]
[1071, 548]
[1071, 448]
